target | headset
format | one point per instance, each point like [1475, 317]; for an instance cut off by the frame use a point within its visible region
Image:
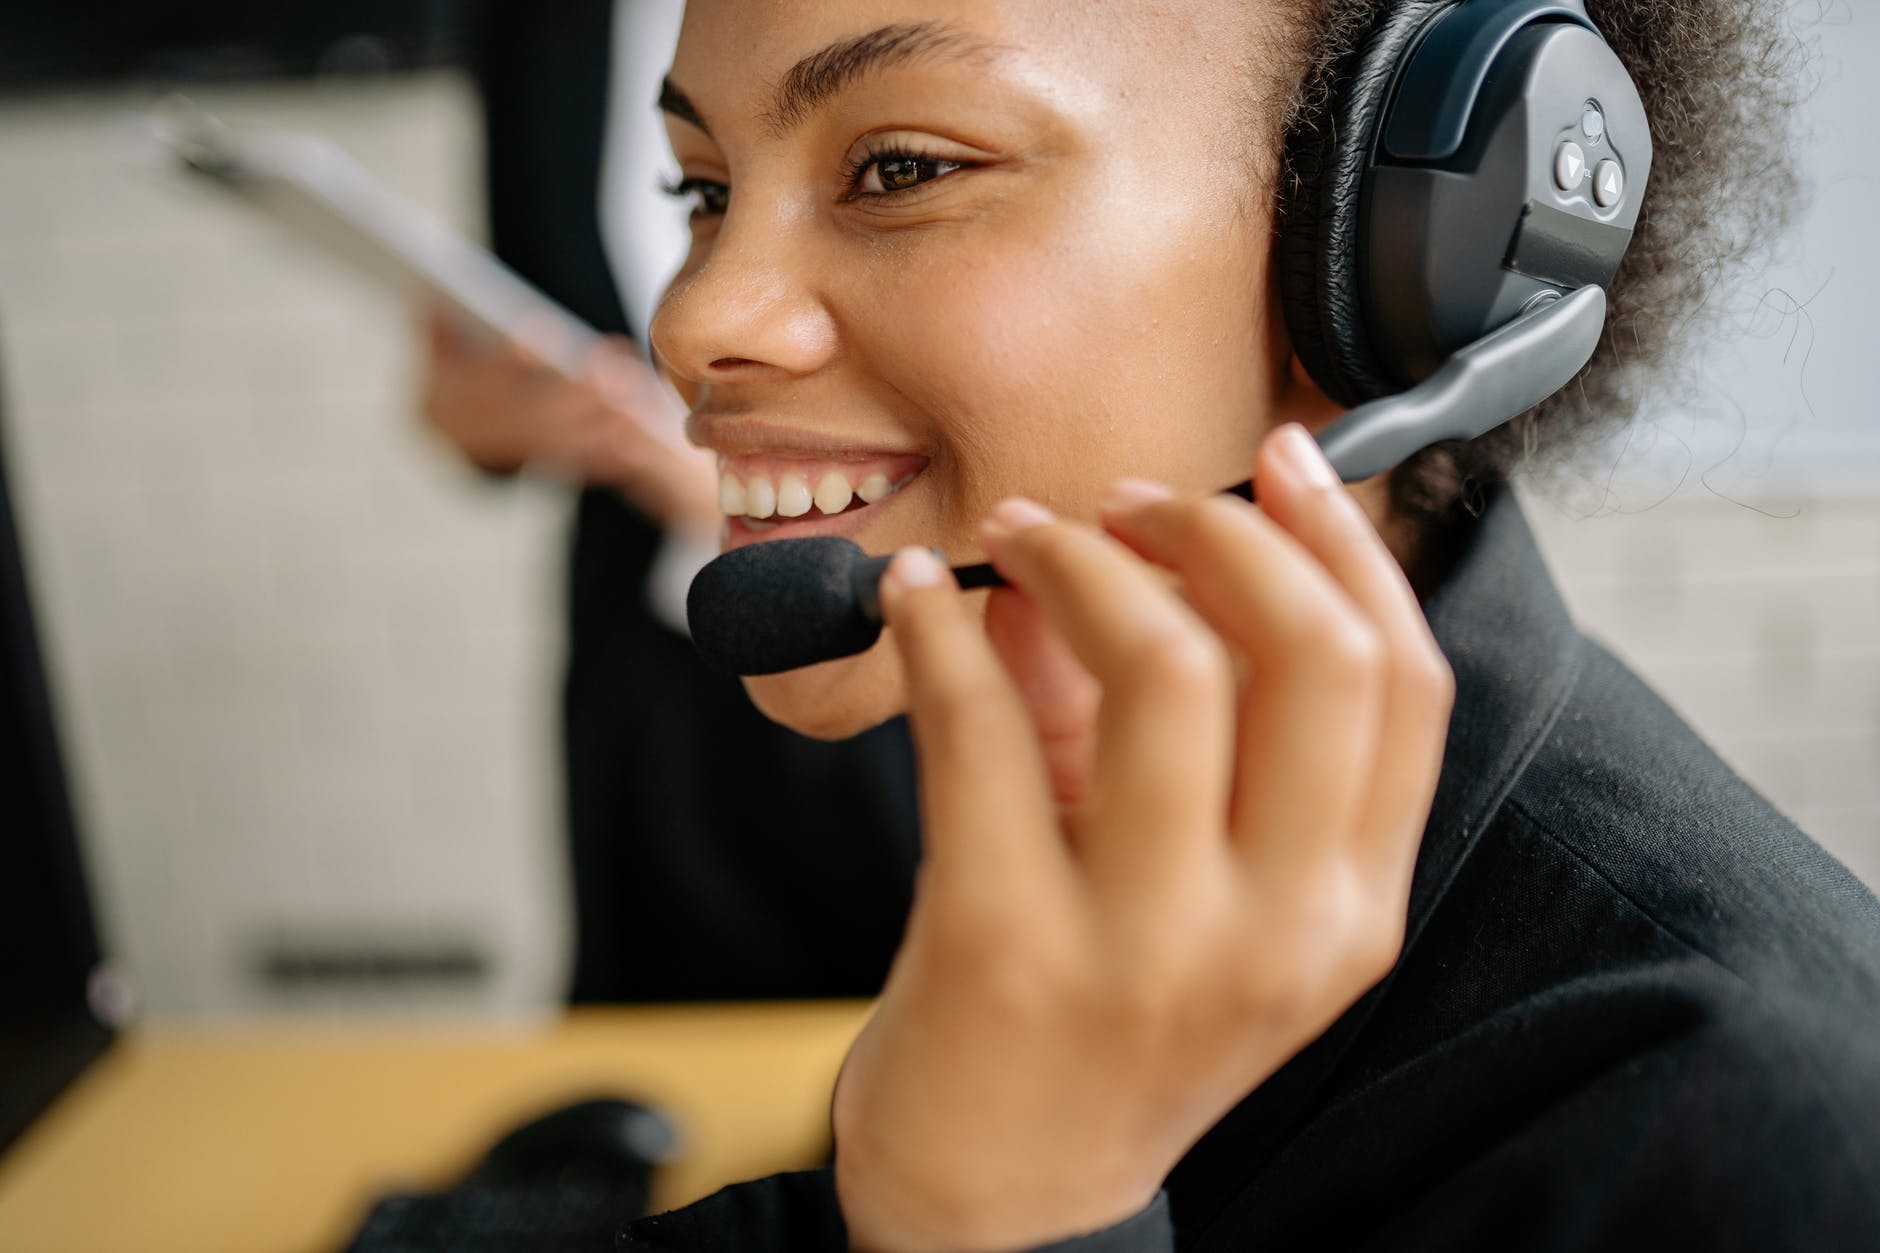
[1463, 196]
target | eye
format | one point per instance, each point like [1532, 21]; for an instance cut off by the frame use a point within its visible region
[886, 173]
[709, 198]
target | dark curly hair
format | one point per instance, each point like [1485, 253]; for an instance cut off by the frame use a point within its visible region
[1719, 80]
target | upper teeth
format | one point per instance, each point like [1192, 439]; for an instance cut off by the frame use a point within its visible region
[833, 493]
[791, 496]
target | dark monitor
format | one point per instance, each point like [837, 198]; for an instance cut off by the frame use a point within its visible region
[48, 946]
[79, 42]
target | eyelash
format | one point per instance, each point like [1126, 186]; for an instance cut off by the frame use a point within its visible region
[853, 170]
[696, 190]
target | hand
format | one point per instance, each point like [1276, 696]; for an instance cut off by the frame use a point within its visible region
[1168, 841]
[618, 424]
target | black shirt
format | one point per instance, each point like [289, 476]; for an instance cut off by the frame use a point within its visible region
[1636, 1007]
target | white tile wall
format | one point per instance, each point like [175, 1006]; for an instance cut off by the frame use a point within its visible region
[307, 664]
[1761, 626]
[304, 660]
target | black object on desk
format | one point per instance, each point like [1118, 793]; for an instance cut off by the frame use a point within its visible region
[563, 1183]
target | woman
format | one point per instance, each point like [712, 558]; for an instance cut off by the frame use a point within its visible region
[1229, 934]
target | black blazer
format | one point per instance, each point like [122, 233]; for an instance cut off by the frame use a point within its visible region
[1636, 1008]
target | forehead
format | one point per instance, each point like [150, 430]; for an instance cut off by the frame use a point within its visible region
[1078, 52]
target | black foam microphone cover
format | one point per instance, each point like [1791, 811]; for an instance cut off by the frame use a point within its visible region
[775, 606]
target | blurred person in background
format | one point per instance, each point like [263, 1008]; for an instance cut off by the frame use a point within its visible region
[716, 855]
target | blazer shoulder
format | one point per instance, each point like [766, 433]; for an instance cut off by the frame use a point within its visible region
[1625, 786]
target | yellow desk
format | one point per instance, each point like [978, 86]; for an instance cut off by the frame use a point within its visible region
[274, 1138]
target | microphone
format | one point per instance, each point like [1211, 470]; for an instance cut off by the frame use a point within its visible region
[777, 605]
[769, 607]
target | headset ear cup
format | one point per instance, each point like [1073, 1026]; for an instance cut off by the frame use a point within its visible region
[1321, 220]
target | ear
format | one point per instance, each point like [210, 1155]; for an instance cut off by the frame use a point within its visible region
[1300, 400]
[1296, 398]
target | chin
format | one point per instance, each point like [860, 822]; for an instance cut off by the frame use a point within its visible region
[836, 699]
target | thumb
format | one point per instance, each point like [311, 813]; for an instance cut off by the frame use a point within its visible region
[1059, 693]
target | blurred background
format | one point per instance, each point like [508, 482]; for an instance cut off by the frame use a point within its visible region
[305, 661]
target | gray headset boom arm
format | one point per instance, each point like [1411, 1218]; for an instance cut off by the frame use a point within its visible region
[1499, 376]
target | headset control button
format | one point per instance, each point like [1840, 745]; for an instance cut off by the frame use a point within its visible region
[1608, 184]
[1569, 166]
[1592, 123]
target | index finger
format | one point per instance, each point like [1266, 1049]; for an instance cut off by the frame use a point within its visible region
[986, 807]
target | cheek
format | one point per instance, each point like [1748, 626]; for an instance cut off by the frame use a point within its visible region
[1087, 346]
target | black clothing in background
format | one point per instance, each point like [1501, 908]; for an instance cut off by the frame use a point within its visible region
[1637, 1009]
[715, 854]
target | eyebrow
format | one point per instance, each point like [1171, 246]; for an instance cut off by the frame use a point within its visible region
[813, 81]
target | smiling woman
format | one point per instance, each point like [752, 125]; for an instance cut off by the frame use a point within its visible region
[1293, 876]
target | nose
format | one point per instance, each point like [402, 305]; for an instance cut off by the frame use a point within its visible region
[747, 308]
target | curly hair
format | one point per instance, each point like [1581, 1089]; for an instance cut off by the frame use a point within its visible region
[1719, 79]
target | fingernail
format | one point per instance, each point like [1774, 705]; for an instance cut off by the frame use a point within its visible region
[917, 567]
[1304, 456]
[1015, 514]
[1125, 494]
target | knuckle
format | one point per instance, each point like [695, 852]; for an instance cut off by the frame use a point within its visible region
[1334, 904]
[1182, 660]
[1306, 626]
[1193, 660]
[1364, 924]
[1430, 680]
[1355, 647]
[1344, 655]
[1372, 946]
[1344, 937]
[1385, 944]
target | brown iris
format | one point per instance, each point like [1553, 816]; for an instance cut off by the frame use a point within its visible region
[900, 173]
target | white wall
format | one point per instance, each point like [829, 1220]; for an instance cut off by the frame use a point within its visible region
[1785, 404]
[304, 660]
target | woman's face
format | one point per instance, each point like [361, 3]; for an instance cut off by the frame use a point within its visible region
[949, 251]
